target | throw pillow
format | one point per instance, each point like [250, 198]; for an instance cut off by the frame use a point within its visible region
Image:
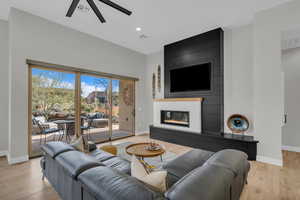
[78, 143]
[156, 179]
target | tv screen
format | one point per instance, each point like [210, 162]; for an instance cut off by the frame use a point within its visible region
[193, 78]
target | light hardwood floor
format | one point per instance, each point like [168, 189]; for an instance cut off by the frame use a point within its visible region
[265, 182]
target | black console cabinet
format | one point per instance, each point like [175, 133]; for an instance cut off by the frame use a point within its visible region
[210, 142]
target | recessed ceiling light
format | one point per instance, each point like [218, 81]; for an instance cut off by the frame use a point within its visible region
[138, 29]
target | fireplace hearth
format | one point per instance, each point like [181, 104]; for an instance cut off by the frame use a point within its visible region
[175, 118]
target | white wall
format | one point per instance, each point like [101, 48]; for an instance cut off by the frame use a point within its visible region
[291, 67]
[3, 87]
[238, 74]
[268, 77]
[34, 38]
[153, 60]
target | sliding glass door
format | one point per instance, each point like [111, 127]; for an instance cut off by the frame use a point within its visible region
[52, 101]
[95, 108]
[63, 104]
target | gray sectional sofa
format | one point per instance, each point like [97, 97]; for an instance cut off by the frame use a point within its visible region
[196, 175]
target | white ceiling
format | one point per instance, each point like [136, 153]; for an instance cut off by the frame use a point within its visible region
[163, 21]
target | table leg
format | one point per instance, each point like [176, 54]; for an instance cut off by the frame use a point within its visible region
[61, 136]
[68, 139]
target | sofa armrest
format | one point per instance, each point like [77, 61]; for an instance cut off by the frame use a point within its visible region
[234, 160]
[206, 182]
[53, 149]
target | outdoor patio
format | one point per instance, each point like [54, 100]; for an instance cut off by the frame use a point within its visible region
[96, 135]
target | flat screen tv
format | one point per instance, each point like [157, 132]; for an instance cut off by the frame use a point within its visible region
[192, 78]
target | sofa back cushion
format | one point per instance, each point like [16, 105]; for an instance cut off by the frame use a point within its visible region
[108, 183]
[53, 149]
[75, 162]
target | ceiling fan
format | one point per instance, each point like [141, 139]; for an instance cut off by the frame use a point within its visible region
[92, 4]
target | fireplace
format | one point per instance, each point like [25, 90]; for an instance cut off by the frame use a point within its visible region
[176, 118]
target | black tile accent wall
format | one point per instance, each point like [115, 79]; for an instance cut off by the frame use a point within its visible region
[203, 48]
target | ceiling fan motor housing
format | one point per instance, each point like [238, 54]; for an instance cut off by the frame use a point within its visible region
[94, 7]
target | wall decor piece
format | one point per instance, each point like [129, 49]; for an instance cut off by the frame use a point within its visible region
[238, 123]
[159, 78]
[153, 86]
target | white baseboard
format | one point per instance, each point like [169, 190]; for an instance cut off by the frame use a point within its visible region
[3, 153]
[291, 148]
[269, 160]
[141, 132]
[21, 159]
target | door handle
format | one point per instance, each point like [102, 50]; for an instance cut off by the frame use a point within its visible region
[285, 119]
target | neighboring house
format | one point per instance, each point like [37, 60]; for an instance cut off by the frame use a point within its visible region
[101, 96]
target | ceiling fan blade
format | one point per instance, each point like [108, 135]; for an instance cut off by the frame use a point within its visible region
[72, 8]
[116, 6]
[96, 10]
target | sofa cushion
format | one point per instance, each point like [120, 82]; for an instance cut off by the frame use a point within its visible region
[53, 149]
[234, 160]
[75, 162]
[118, 164]
[185, 163]
[108, 183]
[157, 179]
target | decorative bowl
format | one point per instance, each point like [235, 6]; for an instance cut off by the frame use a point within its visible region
[153, 147]
[238, 123]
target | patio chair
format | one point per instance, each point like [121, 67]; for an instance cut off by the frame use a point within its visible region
[88, 127]
[45, 131]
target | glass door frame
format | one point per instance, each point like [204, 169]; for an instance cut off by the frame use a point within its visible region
[77, 101]
[110, 103]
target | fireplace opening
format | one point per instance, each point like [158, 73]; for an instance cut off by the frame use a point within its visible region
[177, 118]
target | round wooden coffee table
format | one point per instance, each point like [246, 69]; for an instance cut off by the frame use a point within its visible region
[140, 150]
